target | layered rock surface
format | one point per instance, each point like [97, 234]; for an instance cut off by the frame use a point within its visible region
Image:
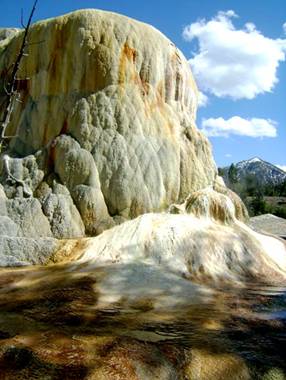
[106, 132]
[204, 243]
[108, 112]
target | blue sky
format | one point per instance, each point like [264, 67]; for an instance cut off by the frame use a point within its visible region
[237, 53]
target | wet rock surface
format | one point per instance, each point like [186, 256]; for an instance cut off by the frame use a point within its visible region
[53, 326]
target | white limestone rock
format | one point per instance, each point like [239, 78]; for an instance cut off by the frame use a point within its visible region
[112, 102]
[200, 249]
[106, 132]
[27, 214]
[19, 251]
[8, 227]
[63, 216]
[93, 211]
[3, 198]
[20, 176]
[212, 205]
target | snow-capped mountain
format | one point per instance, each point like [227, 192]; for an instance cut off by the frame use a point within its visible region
[264, 172]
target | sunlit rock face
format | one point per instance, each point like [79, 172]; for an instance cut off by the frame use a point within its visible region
[108, 111]
[106, 132]
[200, 249]
[212, 205]
[202, 241]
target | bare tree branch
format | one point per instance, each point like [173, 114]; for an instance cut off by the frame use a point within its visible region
[11, 86]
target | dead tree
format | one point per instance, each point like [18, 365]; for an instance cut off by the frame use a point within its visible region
[10, 88]
[13, 95]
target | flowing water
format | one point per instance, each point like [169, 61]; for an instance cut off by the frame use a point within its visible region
[52, 328]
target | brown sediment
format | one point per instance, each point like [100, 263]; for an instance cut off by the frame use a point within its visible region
[69, 250]
[51, 328]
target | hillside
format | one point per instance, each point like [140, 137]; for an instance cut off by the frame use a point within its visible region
[260, 184]
[265, 173]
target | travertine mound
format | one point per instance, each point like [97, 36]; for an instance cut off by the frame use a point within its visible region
[108, 112]
[203, 241]
[106, 132]
[198, 248]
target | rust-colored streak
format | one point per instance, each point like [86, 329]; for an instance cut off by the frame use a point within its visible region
[23, 91]
[22, 84]
[160, 88]
[159, 101]
[128, 54]
[52, 156]
[4, 73]
[46, 134]
[160, 97]
[61, 36]
[145, 87]
[140, 82]
[53, 69]
[56, 59]
[178, 91]
[170, 127]
[65, 127]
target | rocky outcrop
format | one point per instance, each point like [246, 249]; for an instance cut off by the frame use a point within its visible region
[25, 234]
[200, 240]
[6, 34]
[199, 249]
[269, 224]
[106, 132]
[108, 112]
[21, 251]
[241, 212]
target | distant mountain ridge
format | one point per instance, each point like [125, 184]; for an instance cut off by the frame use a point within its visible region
[264, 172]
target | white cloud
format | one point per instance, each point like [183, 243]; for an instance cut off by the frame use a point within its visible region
[230, 62]
[250, 27]
[236, 125]
[284, 27]
[228, 155]
[203, 99]
[283, 167]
